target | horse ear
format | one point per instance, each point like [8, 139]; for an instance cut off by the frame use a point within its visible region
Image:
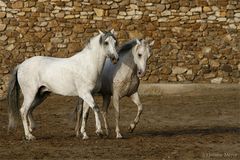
[151, 43]
[149, 55]
[138, 41]
[112, 31]
[100, 32]
[135, 48]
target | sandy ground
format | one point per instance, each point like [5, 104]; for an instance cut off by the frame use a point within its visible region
[197, 126]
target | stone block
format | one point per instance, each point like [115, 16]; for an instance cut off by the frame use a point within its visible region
[135, 34]
[166, 13]
[196, 9]
[207, 9]
[214, 63]
[210, 75]
[2, 4]
[184, 9]
[78, 28]
[56, 40]
[2, 14]
[69, 16]
[179, 70]
[10, 47]
[99, 12]
[2, 27]
[226, 68]
[17, 5]
[217, 80]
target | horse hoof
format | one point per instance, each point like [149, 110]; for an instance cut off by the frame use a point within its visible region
[30, 137]
[85, 137]
[99, 133]
[119, 136]
[78, 133]
[131, 128]
[107, 134]
[31, 128]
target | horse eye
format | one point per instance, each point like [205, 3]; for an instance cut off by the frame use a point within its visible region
[106, 43]
[139, 55]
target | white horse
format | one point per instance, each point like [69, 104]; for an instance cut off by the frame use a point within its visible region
[74, 76]
[118, 81]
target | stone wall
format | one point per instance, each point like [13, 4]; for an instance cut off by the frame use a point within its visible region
[195, 41]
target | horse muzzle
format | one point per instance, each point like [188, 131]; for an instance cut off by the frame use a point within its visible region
[140, 73]
[114, 60]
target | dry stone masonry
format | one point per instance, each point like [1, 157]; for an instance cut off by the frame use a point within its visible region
[196, 41]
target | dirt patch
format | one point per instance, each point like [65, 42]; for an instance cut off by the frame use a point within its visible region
[193, 126]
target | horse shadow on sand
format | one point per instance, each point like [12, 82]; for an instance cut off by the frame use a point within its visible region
[186, 132]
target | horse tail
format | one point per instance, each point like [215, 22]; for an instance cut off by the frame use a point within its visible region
[13, 99]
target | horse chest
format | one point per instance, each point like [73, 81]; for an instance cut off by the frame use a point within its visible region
[126, 87]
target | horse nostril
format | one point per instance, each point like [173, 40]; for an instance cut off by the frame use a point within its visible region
[114, 60]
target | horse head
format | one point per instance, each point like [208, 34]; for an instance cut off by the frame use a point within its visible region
[109, 44]
[141, 53]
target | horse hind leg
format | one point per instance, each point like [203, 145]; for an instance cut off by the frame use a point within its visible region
[78, 111]
[106, 102]
[28, 100]
[39, 98]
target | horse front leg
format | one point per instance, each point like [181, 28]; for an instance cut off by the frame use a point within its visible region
[91, 103]
[84, 120]
[135, 98]
[78, 112]
[117, 115]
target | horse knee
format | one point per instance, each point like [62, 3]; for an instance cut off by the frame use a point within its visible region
[140, 110]
[96, 108]
[23, 111]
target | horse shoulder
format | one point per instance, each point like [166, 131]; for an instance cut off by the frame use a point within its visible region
[134, 85]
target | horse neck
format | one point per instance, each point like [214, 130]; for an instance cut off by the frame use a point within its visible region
[128, 59]
[93, 52]
[99, 60]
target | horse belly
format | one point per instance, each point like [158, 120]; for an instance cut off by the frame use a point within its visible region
[63, 90]
[62, 84]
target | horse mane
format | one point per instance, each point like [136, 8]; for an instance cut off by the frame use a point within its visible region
[106, 35]
[128, 46]
[102, 39]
